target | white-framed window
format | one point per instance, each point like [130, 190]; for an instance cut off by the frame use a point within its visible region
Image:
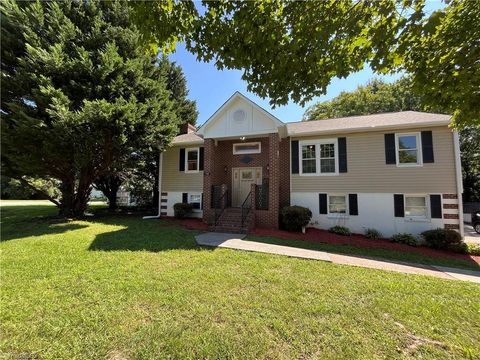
[309, 159]
[416, 206]
[319, 157]
[247, 148]
[409, 149]
[195, 200]
[337, 204]
[192, 160]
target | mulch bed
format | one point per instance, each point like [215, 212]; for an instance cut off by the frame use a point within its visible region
[188, 223]
[322, 236]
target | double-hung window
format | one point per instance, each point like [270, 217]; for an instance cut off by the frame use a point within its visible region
[416, 206]
[309, 159]
[192, 160]
[337, 204]
[319, 157]
[408, 149]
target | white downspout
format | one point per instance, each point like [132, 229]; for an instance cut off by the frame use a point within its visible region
[458, 173]
[160, 165]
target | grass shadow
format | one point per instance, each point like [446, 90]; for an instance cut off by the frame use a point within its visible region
[153, 235]
[22, 222]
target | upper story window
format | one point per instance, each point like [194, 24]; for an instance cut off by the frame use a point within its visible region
[416, 206]
[192, 160]
[319, 157]
[309, 161]
[408, 148]
[247, 148]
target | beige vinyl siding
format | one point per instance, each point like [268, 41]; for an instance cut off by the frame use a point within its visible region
[367, 171]
[175, 180]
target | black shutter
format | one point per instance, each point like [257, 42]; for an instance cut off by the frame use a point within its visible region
[390, 157]
[353, 204]
[201, 158]
[427, 147]
[322, 203]
[399, 206]
[342, 155]
[201, 202]
[294, 150]
[181, 164]
[185, 198]
[436, 206]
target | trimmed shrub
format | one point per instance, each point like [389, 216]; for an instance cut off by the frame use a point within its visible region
[473, 249]
[442, 239]
[340, 230]
[295, 217]
[404, 238]
[182, 209]
[373, 234]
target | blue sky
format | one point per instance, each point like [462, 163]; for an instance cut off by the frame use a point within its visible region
[210, 88]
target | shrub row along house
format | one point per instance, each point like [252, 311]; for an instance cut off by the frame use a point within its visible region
[396, 172]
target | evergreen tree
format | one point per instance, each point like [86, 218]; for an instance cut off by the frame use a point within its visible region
[79, 93]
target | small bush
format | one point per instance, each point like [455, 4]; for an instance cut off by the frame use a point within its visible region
[442, 239]
[295, 217]
[182, 209]
[404, 238]
[373, 234]
[340, 230]
[473, 249]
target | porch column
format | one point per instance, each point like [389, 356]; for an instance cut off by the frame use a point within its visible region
[208, 172]
[273, 180]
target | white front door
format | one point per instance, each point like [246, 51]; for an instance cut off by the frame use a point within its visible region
[242, 181]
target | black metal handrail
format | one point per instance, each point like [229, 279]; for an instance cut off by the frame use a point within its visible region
[223, 204]
[246, 207]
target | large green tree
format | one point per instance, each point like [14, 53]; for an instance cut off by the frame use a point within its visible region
[78, 93]
[375, 97]
[291, 50]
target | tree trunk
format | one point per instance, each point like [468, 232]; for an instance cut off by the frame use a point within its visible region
[74, 202]
[109, 185]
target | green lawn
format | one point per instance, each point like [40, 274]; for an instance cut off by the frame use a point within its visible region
[125, 288]
[387, 254]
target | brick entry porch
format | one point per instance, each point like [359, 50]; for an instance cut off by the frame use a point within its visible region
[261, 206]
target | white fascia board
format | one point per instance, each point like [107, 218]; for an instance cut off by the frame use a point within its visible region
[368, 128]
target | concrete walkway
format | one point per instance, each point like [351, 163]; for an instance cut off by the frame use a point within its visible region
[234, 241]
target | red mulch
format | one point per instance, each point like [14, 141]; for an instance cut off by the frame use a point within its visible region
[323, 236]
[188, 223]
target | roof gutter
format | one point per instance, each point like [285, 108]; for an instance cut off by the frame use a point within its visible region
[367, 128]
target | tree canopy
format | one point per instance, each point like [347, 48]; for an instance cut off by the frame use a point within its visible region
[290, 50]
[375, 97]
[79, 94]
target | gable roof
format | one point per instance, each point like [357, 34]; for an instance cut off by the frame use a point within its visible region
[231, 99]
[403, 119]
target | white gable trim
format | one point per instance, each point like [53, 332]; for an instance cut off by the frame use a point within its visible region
[226, 104]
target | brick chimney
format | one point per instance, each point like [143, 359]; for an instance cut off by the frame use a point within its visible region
[187, 128]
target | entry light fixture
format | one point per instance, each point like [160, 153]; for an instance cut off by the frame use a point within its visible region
[242, 138]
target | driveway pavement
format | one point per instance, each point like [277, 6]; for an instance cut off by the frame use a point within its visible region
[471, 236]
[235, 241]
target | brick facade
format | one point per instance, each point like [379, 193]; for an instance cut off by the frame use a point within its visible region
[218, 170]
[450, 196]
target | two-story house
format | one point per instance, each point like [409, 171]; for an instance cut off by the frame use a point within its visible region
[395, 172]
